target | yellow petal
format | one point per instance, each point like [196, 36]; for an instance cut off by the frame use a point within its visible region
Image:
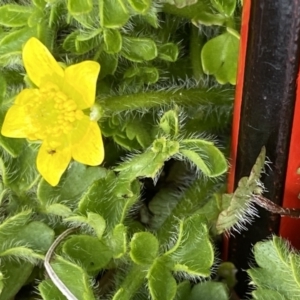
[15, 124]
[82, 78]
[27, 96]
[52, 163]
[87, 145]
[39, 62]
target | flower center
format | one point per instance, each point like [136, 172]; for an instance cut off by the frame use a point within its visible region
[52, 113]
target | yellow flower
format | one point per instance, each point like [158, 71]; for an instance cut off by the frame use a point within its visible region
[53, 112]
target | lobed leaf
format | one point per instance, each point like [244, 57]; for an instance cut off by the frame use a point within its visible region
[238, 208]
[140, 254]
[277, 270]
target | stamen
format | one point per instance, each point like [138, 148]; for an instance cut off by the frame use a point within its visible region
[52, 113]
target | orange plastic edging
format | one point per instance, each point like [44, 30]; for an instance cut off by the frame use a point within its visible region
[290, 228]
[237, 106]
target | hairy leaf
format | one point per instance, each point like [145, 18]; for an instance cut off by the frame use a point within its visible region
[278, 270]
[238, 207]
[140, 254]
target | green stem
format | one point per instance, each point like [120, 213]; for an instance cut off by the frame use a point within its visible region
[182, 97]
[196, 43]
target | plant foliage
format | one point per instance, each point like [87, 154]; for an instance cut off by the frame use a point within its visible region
[146, 220]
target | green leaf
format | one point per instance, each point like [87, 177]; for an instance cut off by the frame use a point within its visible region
[79, 6]
[78, 43]
[168, 52]
[113, 13]
[151, 17]
[162, 285]
[149, 163]
[12, 225]
[88, 35]
[49, 291]
[238, 209]
[88, 20]
[264, 294]
[13, 279]
[278, 270]
[183, 290]
[12, 15]
[140, 254]
[227, 272]
[20, 173]
[169, 123]
[140, 6]
[114, 200]
[36, 235]
[209, 290]
[74, 182]
[201, 12]
[144, 75]
[3, 86]
[1, 283]
[205, 155]
[193, 251]
[117, 241]
[95, 221]
[39, 3]
[11, 44]
[113, 41]
[108, 64]
[137, 129]
[73, 276]
[21, 252]
[219, 57]
[226, 7]
[135, 277]
[180, 3]
[58, 210]
[36, 19]
[138, 49]
[89, 251]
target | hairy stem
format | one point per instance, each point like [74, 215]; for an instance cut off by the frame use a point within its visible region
[183, 97]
